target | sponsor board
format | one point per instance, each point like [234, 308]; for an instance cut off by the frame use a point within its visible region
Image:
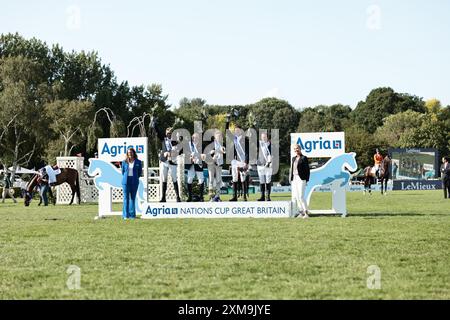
[407, 185]
[108, 176]
[320, 144]
[273, 209]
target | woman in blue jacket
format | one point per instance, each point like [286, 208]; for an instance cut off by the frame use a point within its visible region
[131, 171]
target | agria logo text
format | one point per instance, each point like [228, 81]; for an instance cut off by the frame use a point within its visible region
[320, 144]
[160, 211]
[115, 150]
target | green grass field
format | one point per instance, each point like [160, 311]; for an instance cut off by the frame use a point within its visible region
[405, 234]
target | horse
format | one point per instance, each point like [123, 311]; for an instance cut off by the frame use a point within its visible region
[383, 176]
[67, 175]
[335, 170]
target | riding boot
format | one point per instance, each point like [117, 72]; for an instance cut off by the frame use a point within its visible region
[177, 191]
[234, 192]
[202, 187]
[164, 190]
[245, 187]
[263, 192]
[268, 189]
[189, 188]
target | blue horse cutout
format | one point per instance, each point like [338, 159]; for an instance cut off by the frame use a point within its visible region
[333, 172]
[106, 174]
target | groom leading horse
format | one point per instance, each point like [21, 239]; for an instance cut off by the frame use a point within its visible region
[68, 175]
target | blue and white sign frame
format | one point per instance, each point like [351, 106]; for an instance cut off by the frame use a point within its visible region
[107, 176]
[335, 173]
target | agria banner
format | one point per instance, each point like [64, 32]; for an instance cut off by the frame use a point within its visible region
[274, 209]
[320, 144]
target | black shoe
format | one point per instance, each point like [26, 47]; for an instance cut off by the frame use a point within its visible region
[268, 189]
[189, 188]
[234, 192]
[177, 192]
[164, 190]
[262, 186]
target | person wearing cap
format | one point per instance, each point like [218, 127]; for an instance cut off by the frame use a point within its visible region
[169, 164]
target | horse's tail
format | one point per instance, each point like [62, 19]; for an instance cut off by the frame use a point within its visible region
[77, 186]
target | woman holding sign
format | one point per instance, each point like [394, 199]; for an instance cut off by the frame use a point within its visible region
[131, 171]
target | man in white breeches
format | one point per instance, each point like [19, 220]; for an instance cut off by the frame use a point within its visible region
[215, 168]
[195, 167]
[167, 158]
[264, 165]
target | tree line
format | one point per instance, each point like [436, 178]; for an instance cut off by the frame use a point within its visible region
[57, 103]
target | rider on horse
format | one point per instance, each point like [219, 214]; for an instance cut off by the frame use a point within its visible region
[377, 158]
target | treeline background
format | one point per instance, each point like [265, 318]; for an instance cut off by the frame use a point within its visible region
[54, 102]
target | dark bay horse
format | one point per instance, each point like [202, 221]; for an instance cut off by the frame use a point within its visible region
[383, 176]
[68, 175]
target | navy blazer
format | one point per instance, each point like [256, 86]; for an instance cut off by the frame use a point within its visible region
[137, 172]
[302, 168]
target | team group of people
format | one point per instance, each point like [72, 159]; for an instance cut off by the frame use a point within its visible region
[198, 161]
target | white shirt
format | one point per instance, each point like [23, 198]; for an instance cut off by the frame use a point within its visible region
[130, 168]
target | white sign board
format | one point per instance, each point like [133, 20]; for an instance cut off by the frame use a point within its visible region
[273, 209]
[333, 174]
[319, 144]
[109, 176]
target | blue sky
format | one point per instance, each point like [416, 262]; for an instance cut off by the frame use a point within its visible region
[237, 52]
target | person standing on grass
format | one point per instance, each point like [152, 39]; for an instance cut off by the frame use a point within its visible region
[131, 171]
[299, 177]
[43, 185]
[445, 173]
[7, 188]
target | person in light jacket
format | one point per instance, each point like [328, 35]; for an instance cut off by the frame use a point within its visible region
[131, 171]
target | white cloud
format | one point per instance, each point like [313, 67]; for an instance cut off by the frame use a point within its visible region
[272, 93]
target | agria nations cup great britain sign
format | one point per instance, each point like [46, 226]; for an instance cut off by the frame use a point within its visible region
[274, 209]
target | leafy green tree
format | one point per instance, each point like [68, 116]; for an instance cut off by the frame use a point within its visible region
[22, 93]
[433, 106]
[324, 118]
[273, 113]
[362, 143]
[382, 102]
[397, 125]
[430, 134]
[70, 121]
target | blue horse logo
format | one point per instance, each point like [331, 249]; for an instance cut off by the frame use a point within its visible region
[106, 174]
[333, 172]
